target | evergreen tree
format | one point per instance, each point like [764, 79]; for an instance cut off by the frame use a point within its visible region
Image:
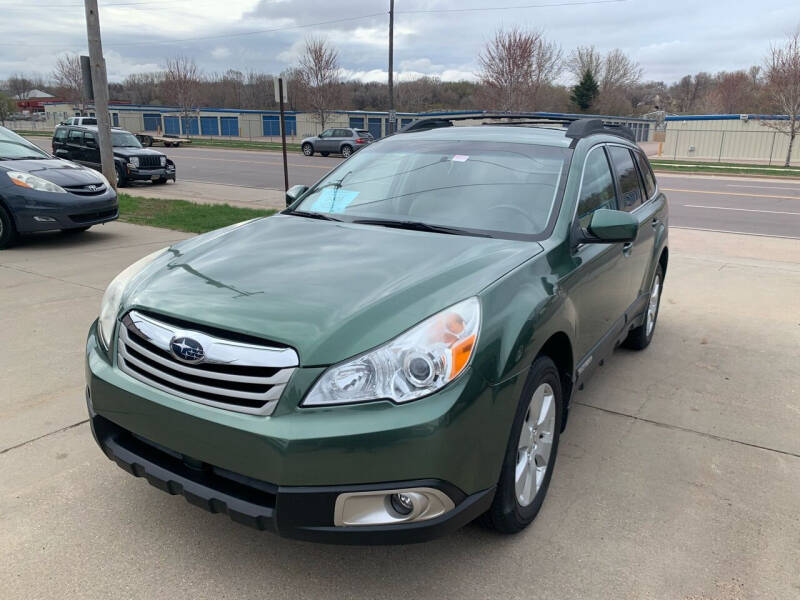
[585, 93]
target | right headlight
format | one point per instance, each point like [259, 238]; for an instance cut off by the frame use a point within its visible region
[109, 306]
[414, 364]
[134, 161]
[26, 180]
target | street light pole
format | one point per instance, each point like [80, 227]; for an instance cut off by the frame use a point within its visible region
[100, 87]
[391, 67]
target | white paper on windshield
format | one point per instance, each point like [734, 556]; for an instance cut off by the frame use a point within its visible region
[460, 158]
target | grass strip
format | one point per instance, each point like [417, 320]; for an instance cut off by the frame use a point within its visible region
[182, 215]
[724, 169]
[243, 145]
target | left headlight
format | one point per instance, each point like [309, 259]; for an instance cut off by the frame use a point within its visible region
[134, 161]
[33, 182]
[109, 306]
[415, 364]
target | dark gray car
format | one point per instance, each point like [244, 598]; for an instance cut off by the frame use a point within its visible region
[336, 140]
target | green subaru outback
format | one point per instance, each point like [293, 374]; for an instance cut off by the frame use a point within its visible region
[393, 355]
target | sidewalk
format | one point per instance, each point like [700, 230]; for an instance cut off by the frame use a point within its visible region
[211, 193]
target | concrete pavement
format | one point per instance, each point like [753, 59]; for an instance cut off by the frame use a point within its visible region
[678, 475]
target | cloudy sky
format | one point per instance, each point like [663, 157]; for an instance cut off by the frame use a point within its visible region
[432, 37]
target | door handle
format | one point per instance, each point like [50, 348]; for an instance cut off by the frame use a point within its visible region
[627, 248]
[656, 222]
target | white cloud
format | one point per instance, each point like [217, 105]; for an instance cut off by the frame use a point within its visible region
[221, 52]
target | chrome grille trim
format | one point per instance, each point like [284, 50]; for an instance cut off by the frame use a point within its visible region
[141, 338]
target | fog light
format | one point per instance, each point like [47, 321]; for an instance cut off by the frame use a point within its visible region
[387, 507]
[403, 504]
[44, 219]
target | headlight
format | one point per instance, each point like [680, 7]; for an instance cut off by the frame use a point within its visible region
[416, 363]
[134, 161]
[103, 179]
[109, 306]
[163, 161]
[33, 182]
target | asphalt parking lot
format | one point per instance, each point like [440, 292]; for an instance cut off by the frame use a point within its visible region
[678, 475]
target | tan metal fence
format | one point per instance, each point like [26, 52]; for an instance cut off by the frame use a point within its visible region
[765, 146]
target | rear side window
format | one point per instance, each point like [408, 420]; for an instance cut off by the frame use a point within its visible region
[343, 133]
[60, 135]
[647, 174]
[629, 184]
[75, 137]
[89, 139]
[597, 187]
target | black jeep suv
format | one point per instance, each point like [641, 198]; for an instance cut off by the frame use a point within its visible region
[78, 143]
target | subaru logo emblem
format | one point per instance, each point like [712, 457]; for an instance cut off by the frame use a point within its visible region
[186, 349]
[91, 188]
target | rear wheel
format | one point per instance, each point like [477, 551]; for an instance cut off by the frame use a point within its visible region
[8, 230]
[308, 149]
[347, 151]
[531, 452]
[640, 337]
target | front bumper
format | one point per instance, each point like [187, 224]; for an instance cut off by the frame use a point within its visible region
[300, 459]
[145, 174]
[69, 213]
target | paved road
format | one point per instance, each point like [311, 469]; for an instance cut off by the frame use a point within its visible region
[678, 475]
[732, 204]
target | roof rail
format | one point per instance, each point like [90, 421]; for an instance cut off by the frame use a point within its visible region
[580, 128]
[577, 127]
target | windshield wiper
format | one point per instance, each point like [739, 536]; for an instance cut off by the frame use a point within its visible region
[418, 226]
[311, 215]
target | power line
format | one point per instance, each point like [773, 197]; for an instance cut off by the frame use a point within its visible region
[518, 6]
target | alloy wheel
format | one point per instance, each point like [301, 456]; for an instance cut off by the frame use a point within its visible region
[652, 307]
[535, 444]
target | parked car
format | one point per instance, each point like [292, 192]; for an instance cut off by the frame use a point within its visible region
[395, 354]
[78, 143]
[79, 121]
[39, 192]
[339, 140]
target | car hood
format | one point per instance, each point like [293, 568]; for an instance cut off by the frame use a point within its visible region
[60, 172]
[330, 290]
[125, 152]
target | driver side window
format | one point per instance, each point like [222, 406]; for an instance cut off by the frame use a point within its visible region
[326, 133]
[597, 187]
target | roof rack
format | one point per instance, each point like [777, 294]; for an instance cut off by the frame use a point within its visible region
[578, 127]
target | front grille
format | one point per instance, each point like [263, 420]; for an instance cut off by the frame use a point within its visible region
[92, 189]
[149, 160]
[91, 217]
[232, 375]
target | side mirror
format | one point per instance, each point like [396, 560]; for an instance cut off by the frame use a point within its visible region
[294, 192]
[610, 226]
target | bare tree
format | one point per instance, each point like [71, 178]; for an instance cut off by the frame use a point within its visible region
[20, 86]
[7, 107]
[515, 65]
[734, 92]
[320, 77]
[783, 87]
[583, 59]
[619, 71]
[181, 83]
[142, 88]
[69, 78]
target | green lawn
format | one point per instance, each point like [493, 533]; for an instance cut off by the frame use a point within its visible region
[182, 215]
[724, 168]
[243, 144]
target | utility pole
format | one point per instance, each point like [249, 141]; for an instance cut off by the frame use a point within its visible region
[392, 115]
[100, 87]
[281, 93]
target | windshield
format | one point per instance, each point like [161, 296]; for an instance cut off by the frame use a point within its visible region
[13, 146]
[123, 139]
[496, 188]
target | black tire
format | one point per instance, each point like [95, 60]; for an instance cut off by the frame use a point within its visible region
[75, 230]
[507, 514]
[325, 153]
[347, 151]
[308, 149]
[640, 338]
[160, 181]
[8, 230]
[122, 181]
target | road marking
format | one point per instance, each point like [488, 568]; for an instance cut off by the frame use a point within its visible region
[731, 194]
[772, 212]
[772, 235]
[760, 187]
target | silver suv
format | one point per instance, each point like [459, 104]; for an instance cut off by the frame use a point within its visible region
[339, 140]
